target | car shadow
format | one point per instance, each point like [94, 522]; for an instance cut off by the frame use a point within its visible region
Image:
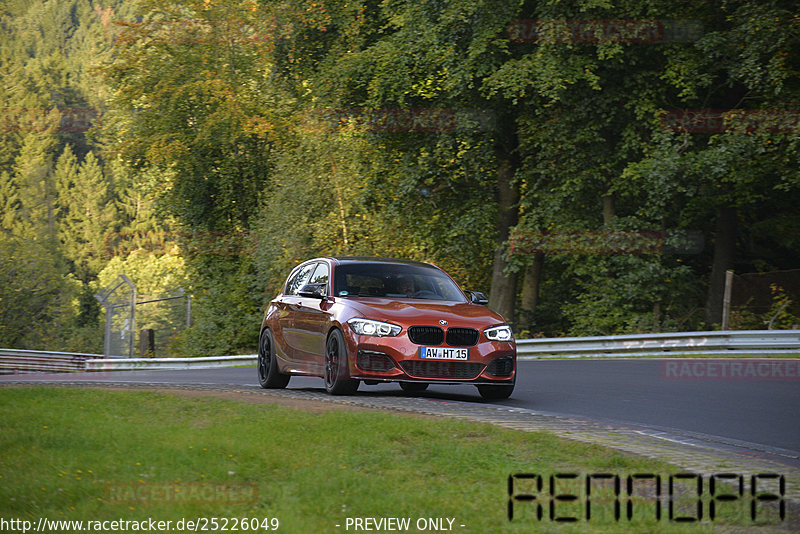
[366, 392]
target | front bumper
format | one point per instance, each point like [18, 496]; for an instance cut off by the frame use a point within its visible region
[392, 359]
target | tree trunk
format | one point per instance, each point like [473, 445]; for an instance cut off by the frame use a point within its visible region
[724, 253]
[608, 210]
[503, 293]
[656, 316]
[530, 288]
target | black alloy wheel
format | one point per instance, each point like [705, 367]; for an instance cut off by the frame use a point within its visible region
[269, 377]
[337, 370]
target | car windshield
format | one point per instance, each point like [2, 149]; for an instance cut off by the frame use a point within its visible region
[392, 280]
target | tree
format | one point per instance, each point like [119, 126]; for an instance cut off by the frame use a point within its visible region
[33, 294]
[9, 202]
[404, 58]
[599, 157]
[88, 211]
[306, 125]
[733, 179]
[194, 101]
[195, 118]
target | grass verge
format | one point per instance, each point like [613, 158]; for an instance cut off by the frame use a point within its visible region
[101, 455]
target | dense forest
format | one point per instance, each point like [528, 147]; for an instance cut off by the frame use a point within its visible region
[594, 166]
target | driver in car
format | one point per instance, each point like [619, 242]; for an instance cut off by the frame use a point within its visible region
[405, 285]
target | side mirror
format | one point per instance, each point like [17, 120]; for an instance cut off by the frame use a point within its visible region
[312, 291]
[476, 297]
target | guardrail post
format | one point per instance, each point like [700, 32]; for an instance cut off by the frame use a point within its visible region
[726, 299]
[147, 343]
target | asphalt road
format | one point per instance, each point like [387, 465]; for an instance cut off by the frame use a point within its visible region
[751, 414]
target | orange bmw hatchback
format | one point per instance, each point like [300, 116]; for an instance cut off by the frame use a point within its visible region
[349, 320]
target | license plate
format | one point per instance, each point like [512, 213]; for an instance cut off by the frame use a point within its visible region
[443, 353]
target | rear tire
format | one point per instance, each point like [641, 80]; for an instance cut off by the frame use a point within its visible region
[490, 392]
[269, 377]
[337, 370]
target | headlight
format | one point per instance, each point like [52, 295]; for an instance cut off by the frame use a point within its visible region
[499, 333]
[367, 327]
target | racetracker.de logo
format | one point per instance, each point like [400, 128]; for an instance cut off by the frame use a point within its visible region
[524, 241]
[69, 120]
[604, 31]
[713, 121]
[730, 369]
[202, 493]
[399, 120]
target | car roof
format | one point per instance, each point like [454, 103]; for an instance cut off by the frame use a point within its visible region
[376, 259]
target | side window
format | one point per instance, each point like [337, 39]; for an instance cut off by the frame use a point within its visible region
[320, 277]
[299, 279]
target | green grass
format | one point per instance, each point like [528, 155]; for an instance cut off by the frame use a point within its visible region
[77, 453]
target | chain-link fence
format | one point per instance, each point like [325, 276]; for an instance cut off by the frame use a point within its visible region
[119, 301]
[160, 321]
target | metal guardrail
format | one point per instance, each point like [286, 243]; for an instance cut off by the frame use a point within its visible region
[714, 343]
[16, 361]
[140, 364]
[760, 343]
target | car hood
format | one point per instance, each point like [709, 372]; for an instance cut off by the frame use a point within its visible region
[407, 312]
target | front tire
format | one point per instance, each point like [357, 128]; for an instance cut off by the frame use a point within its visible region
[490, 392]
[337, 370]
[269, 377]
